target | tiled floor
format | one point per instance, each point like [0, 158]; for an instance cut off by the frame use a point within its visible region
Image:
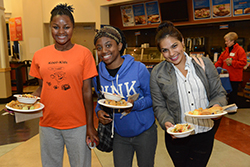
[231, 147]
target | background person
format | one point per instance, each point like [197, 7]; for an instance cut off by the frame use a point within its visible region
[121, 74]
[65, 71]
[233, 59]
[179, 85]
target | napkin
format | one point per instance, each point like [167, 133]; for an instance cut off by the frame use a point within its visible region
[24, 116]
[230, 108]
[133, 97]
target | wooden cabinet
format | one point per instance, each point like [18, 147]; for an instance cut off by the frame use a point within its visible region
[246, 83]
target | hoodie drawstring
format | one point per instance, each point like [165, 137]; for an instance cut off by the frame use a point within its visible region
[113, 124]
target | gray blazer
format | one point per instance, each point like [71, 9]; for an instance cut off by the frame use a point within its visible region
[164, 91]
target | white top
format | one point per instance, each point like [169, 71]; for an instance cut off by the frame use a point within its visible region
[192, 95]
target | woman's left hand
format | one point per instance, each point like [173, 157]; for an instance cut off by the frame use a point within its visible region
[92, 136]
[128, 110]
[216, 105]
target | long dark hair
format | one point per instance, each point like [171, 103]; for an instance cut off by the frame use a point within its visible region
[167, 29]
[63, 9]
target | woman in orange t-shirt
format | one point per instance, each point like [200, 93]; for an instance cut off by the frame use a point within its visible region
[65, 71]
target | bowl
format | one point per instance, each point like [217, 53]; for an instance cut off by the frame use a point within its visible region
[111, 96]
[26, 98]
[181, 134]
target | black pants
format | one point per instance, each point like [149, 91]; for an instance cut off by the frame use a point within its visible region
[191, 151]
[233, 95]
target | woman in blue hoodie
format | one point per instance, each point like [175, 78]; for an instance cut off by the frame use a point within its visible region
[121, 74]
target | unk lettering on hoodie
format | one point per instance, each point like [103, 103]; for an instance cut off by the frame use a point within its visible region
[128, 87]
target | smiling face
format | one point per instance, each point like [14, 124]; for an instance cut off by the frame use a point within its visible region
[108, 52]
[62, 30]
[173, 50]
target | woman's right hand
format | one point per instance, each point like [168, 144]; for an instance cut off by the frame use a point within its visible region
[104, 117]
[168, 125]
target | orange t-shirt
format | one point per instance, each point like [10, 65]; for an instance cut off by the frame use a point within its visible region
[63, 73]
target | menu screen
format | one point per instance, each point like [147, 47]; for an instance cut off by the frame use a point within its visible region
[139, 14]
[201, 9]
[221, 8]
[153, 14]
[241, 7]
[127, 16]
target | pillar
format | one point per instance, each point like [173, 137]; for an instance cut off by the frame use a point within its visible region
[5, 78]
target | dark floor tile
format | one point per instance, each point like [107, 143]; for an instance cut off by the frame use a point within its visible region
[12, 132]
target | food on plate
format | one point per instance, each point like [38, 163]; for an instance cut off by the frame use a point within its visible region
[202, 13]
[221, 10]
[154, 18]
[238, 11]
[179, 128]
[125, 18]
[247, 10]
[116, 103]
[209, 111]
[15, 104]
[28, 95]
[140, 20]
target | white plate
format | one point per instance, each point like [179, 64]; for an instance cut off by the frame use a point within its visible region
[206, 116]
[19, 110]
[182, 134]
[26, 99]
[112, 106]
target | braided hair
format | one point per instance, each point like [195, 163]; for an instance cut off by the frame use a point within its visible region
[167, 29]
[113, 33]
[63, 9]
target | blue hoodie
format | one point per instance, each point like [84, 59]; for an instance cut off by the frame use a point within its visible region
[132, 78]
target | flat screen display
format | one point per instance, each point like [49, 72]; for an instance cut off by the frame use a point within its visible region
[174, 11]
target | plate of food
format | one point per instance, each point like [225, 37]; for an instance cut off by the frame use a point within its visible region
[122, 104]
[213, 112]
[181, 130]
[26, 98]
[15, 105]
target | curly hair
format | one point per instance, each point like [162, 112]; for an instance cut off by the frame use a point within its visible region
[63, 9]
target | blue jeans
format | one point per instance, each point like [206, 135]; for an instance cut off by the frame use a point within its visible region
[144, 145]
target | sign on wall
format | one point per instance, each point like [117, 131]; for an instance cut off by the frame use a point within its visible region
[201, 9]
[140, 14]
[127, 15]
[153, 14]
[15, 28]
[221, 8]
[241, 7]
